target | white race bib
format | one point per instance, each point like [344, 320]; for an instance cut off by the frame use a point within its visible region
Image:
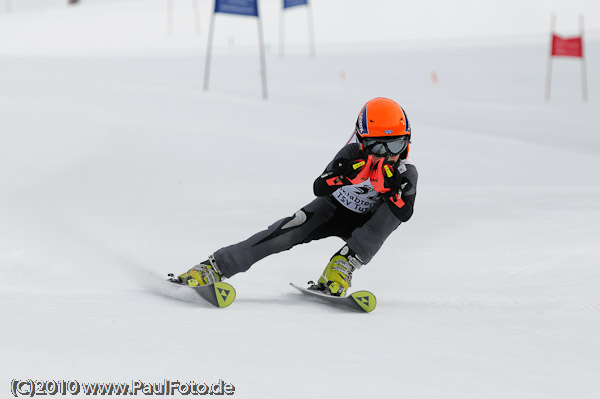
[359, 198]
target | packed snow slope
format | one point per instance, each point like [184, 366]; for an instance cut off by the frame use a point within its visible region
[117, 168]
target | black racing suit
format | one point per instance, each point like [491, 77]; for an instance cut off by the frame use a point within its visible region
[357, 214]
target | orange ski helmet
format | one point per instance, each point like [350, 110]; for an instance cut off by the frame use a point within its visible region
[382, 117]
[382, 120]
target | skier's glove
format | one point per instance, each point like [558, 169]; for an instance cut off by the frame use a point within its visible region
[386, 179]
[349, 171]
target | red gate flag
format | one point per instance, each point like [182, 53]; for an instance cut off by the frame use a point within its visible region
[567, 47]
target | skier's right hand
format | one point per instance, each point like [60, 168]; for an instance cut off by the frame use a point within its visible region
[351, 171]
[343, 172]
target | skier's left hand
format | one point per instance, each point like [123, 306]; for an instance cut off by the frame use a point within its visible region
[386, 179]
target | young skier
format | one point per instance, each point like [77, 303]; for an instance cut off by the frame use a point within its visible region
[362, 197]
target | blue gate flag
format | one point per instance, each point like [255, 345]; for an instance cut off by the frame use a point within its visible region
[240, 7]
[292, 3]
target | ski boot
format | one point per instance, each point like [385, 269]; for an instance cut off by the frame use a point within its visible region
[204, 273]
[337, 276]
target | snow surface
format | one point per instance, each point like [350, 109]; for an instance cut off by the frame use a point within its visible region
[117, 168]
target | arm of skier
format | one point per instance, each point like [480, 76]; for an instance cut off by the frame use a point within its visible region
[401, 200]
[350, 166]
[368, 239]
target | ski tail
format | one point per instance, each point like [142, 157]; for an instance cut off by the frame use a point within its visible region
[225, 294]
[219, 294]
[365, 300]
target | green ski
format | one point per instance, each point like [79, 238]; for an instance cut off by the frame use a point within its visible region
[360, 300]
[219, 294]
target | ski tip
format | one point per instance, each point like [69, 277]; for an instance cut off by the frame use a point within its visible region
[365, 300]
[297, 287]
[174, 281]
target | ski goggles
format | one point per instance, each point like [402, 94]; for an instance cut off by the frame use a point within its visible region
[392, 147]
